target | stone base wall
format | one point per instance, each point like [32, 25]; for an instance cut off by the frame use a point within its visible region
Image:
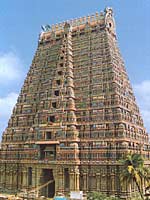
[86, 178]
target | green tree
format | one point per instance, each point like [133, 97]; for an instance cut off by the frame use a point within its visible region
[100, 196]
[111, 198]
[134, 170]
[96, 196]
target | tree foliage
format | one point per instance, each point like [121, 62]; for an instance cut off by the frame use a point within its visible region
[134, 170]
[100, 196]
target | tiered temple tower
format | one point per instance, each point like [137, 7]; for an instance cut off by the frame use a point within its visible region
[76, 115]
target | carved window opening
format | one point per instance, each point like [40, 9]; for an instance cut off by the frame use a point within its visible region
[58, 82]
[30, 176]
[54, 104]
[60, 73]
[57, 39]
[56, 92]
[51, 118]
[48, 135]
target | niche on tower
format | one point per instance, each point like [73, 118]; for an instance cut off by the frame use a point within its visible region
[48, 152]
[29, 176]
[66, 179]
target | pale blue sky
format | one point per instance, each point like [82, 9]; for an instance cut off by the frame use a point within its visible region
[21, 22]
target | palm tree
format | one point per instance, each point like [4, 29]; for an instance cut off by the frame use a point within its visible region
[134, 170]
[145, 173]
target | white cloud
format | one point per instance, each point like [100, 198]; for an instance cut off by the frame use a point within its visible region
[10, 67]
[142, 93]
[6, 105]
[11, 76]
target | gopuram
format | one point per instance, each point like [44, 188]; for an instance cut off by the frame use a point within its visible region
[76, 115]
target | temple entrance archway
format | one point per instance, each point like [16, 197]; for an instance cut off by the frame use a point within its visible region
[48, 190]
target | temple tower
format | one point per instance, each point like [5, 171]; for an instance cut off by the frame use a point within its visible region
[76, 114]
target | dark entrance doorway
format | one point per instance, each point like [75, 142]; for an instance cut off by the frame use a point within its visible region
[48, 190]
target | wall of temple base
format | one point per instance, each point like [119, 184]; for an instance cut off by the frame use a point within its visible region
[65, 178]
